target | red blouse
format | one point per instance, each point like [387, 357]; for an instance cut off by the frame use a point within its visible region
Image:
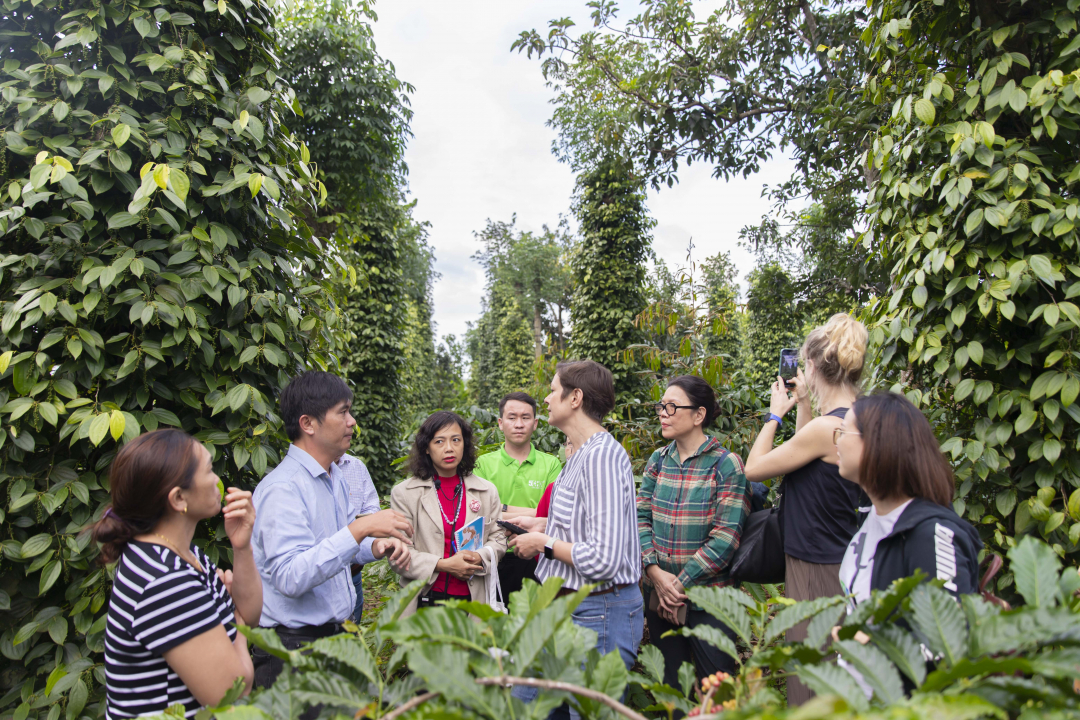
[446, 488]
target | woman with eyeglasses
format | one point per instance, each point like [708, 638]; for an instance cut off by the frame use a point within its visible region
[819, 509]
[691, 507]
[886, 447]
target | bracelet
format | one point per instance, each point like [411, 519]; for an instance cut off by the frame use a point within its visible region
[779, 422]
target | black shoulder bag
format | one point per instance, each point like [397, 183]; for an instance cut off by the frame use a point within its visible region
[760, 556]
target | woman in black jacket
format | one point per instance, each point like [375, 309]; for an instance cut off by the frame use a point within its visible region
[886, 446]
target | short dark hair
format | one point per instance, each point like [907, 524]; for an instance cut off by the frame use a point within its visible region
[700, 394]
[311, 393]
[420, 464]
[595, 382]
[901, 457]
[520, 397]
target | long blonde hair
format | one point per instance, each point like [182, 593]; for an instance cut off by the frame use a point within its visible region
[838, 350]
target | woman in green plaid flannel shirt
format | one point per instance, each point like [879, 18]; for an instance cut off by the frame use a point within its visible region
[691, 507]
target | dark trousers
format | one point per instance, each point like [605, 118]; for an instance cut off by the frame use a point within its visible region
[677, 649]
[268, 667]
[513, 571]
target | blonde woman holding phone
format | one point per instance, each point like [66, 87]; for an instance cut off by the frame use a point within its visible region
[820, 509]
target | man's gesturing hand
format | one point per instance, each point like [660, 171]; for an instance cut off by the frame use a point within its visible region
[383, 524]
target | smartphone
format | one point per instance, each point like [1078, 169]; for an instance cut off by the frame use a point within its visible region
[511, 527]
[789, 365]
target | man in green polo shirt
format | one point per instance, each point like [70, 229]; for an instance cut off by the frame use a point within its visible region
[521, 473]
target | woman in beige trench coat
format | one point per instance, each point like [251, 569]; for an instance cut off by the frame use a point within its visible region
[442, 496]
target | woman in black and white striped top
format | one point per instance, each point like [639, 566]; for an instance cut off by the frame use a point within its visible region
[171, 631]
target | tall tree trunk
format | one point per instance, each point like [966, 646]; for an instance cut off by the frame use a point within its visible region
[538, 334]
[562, 339]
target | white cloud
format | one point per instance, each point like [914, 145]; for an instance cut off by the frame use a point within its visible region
[482, 150]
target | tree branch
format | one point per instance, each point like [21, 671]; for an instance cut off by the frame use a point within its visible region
[811, 25]
[403, 708]
[565, 687]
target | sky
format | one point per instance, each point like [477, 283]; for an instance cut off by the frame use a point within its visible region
[481, 148]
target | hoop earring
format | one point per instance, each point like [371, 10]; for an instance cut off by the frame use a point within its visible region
[184, 510]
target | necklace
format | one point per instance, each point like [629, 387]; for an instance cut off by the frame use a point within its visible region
[194, 562]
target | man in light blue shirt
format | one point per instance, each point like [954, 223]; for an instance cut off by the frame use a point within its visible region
[307, 531]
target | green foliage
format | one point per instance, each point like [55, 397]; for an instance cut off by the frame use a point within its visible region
[609, 270]
[449, 384]
[987, 662]
[534, 266]
[156, 272]
[975, 215]
[356, 122]
[457, 654]
[773, 321]
[501, 348]
[728, 89]
[722, 295]
[527, 293]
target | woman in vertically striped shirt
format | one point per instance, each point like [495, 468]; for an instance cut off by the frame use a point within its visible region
[171, 636]
[691, 507]
[591, 536]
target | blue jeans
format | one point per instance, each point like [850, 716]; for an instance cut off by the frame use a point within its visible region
[358, 583]
[618, 619]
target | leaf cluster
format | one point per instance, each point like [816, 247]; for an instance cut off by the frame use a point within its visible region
[975, 215]
[155, 272]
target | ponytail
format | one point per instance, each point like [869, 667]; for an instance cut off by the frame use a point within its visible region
[838, 351]
[114, 534]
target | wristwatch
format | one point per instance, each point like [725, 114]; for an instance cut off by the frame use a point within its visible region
[504, 507]
[771, 416]
[549, 549]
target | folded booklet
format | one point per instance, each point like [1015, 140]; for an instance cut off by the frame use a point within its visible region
[470, 537]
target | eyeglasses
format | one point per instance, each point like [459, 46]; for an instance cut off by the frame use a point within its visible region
[841, 431]
[670, 408]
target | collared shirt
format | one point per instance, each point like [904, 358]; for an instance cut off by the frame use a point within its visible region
[592, 506]
[302, 544]
[690, 513]
[362, 491]
[519, 483]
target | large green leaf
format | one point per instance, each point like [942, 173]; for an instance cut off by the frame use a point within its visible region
[792, 615]
[832, 680]
[874, 666]
[937, 618]
[1035, 568]
[352, 651]
[715, 637]
[902, 649]
[954, 707]
[652, 660]
[728, 605]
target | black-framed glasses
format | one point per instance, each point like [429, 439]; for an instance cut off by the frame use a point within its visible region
[670, 408]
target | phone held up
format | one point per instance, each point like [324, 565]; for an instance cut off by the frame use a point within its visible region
[789, 366]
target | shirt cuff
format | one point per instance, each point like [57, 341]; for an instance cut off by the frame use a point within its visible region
[685, 580]
[344, 545]
[365, 555]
